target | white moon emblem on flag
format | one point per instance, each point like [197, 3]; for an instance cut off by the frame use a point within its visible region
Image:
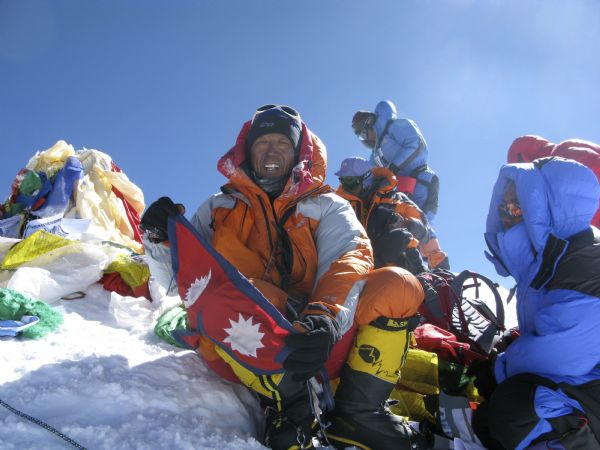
[196, 289]
[244, 336]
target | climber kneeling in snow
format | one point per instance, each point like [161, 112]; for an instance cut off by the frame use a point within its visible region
[393, 222]
[538, 231]
[303, 248]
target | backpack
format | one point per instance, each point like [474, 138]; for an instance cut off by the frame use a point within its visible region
[455, 304]
[457, 327]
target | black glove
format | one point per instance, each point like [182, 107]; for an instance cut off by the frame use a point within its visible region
[506, 339]
[390, 246]
[485, 381]
[155, 218]
[311, 348]
[382, 220]
[414, 261]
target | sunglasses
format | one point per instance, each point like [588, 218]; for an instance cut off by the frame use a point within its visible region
[363, 135]
[512, 210]
[363, 131]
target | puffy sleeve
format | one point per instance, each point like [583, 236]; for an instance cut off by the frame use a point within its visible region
[565, 339]
[344, 258]
[202, 219]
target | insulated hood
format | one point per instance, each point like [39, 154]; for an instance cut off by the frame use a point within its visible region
[558, 198]
[384, 111]
[309, 171]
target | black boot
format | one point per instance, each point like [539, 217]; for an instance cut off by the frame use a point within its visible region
[361, 417]
[289, 419]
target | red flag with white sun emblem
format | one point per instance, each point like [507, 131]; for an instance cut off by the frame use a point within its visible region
[223, 305]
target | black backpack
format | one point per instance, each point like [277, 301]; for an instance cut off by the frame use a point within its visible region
[454, 302]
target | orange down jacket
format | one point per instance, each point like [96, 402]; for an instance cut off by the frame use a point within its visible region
[307, 241]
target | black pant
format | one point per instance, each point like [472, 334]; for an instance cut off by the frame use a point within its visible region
[509, 415]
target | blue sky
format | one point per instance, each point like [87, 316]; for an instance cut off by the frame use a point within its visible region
[164, 86]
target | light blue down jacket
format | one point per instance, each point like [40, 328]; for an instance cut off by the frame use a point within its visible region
[399, 143]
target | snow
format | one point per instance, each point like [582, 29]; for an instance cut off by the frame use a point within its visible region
[107, 382]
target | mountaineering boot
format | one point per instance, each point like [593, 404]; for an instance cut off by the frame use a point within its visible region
[283, 433]
[361, 417]
[289, 417]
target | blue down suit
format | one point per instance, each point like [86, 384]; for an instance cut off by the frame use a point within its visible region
[554, 256]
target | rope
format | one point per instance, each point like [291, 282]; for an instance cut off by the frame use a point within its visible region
[42, 424]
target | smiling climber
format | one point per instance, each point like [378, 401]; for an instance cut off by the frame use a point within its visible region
[302, 246]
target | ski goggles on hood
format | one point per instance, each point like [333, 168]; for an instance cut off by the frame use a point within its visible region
[286, 109]
[352, 182]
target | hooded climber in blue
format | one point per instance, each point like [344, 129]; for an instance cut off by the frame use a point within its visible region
[398, 144]
[538, 231]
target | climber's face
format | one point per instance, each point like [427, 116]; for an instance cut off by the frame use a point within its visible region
[510, 209]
